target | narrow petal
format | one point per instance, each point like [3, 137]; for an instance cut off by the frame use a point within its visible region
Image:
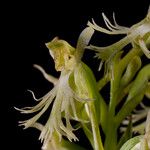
[48, 77]
[98, 28]
[38, 126]
[33, 95]
[108, 23]
[144, 48]
[112, 31]
[30, 122]
[48, 97]
[121, 28]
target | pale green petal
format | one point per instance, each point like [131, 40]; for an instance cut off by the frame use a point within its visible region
[48, 77]
[83, 41]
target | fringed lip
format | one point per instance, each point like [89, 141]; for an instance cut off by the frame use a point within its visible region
[63, 98]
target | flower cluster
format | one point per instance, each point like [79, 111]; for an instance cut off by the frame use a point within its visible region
[77, 96]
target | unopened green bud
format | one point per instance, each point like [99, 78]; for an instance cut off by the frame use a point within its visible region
[132, 68]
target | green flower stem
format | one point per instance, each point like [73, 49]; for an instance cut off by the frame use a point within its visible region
[102, 82]
[95, 127]
[123, 92]
[111, 134]
[126, 59]
[118, 69]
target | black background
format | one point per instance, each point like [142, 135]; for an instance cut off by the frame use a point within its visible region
[26, 27]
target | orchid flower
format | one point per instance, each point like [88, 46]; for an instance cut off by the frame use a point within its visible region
[138, 35]
[70, 88]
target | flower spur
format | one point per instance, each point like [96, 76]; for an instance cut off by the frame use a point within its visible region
[64, 98]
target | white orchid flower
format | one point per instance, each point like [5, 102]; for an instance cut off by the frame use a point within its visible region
[67, 60]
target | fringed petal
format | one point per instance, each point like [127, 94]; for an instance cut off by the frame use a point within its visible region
[98, 28]
[134, 35]
[44, 100]
[30, 122]
[113, 29]
[64, 102]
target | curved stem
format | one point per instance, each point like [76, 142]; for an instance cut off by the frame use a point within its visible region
[111, 134]
[95, 127]
[102, 82]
